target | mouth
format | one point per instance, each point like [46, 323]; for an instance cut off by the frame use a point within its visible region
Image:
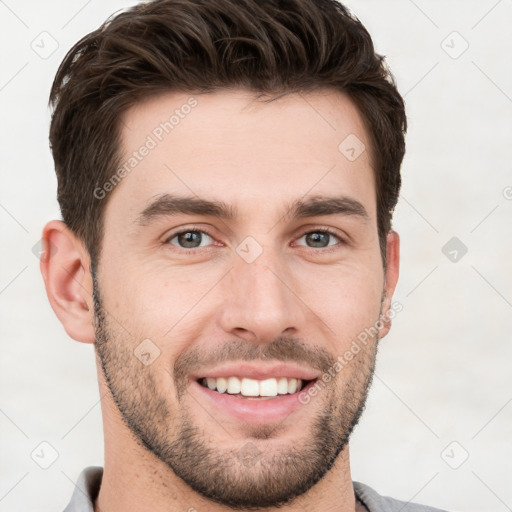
[254, 389]
[247, 402]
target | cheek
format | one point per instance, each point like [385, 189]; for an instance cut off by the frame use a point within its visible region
[163, 307]
[145, 291]
[346, 299]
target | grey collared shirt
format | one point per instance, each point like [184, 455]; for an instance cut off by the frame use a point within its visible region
[89, 481]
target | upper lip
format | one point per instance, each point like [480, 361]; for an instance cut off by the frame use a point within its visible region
[259, 372]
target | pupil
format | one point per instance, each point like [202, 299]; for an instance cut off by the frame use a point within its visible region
[189, 238]
[316, 238]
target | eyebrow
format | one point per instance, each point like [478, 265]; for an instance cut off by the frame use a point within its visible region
[167, 205]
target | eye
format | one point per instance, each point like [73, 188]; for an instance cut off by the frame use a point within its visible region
[191, 239]
[320, 238]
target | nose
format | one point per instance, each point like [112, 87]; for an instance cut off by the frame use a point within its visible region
[260, 303]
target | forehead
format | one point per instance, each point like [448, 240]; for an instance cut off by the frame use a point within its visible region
[228, 145]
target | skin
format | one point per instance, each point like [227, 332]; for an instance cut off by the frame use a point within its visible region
[295, 300]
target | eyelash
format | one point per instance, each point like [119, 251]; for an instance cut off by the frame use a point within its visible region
[196, 250]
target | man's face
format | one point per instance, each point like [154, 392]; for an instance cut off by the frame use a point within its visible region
[264, 293]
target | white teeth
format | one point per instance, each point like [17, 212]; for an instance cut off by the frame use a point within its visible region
[254, 388]
[268, 387]
[234, 386]
[222, 385]
[250, 387]
[282, 386]
[292, 386]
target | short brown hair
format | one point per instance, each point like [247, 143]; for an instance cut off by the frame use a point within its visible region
[266, 46]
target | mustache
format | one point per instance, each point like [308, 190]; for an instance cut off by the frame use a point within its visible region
[282, 349]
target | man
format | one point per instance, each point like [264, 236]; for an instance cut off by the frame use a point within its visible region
[227, 173]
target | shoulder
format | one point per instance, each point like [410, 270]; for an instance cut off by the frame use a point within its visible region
[376, 503]
[86, 490]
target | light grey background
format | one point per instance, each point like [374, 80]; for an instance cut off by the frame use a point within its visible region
[443, 385]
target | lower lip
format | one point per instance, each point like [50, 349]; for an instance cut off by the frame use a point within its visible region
[253, 411]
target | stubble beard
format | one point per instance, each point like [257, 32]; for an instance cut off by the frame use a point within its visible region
[250, 476]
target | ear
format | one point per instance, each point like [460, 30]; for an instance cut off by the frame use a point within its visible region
[391, 276]
[65, 266]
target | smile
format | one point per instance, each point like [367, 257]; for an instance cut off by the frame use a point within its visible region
[253, 388]
[252, 408]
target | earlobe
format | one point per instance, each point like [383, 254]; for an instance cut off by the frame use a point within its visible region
[65, 267]
[391, 279]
